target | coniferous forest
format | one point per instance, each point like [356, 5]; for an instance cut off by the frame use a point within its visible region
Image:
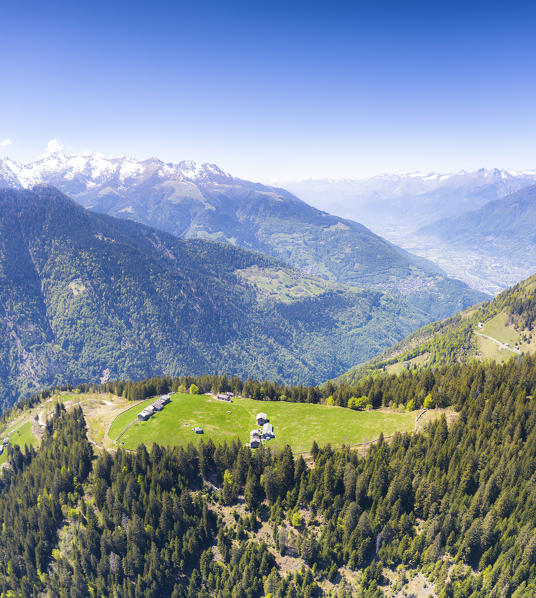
[457, 503]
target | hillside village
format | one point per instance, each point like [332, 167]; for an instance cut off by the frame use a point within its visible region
[150, 410]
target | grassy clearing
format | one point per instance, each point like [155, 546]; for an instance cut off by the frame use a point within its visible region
[399, 367]
[125, 418]
[297, 424]
[63, 397]
[280, 285]
[21, 436]
[498, 328]
[488, 349]
[100, 410]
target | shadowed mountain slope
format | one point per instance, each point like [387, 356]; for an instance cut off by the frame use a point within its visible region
[82, 293]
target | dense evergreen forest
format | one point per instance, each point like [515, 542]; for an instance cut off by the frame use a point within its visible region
[437, 387]
[458, 504]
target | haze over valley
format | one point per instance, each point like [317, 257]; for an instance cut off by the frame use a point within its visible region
[410, 210]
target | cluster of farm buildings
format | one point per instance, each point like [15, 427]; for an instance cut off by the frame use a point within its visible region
[158, 405]
[264, 431]
[224, 396]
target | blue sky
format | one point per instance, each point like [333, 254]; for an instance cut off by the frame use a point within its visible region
[270, 90]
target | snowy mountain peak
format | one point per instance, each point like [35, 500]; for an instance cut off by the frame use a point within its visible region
[8, 174]
[193, 170]
[87, 171]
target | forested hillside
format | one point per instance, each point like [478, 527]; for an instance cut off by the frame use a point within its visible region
[85, 296]
[193, 200]
[494, 331]
[452, 507]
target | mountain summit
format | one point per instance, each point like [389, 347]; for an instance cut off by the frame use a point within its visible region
[193, 200]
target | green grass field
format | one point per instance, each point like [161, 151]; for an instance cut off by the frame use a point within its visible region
[399, 367]
[297, 424]
[21, 436]
[490, 350]
[497, 328]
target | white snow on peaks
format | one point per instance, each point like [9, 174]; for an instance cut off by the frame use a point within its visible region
[194, 171]
[37, 172]
[8, 173]
[87, 171]
[129, 168]
[166, 171]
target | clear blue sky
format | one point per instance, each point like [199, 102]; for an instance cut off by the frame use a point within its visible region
[270, 90]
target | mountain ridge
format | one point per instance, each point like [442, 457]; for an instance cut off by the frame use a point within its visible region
[201, 201]
[499, 218]
[83, 292]
[409, 201]
[493, 331]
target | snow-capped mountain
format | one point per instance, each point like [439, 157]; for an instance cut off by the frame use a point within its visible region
[393, 185]
[389, 201]
[9, 174]
[88, 171]
[414, 198]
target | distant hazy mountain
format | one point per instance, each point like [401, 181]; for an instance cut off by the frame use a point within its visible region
[408, 209]
[496, 242]
[388, 202]
[81, 293]
[508, 224]
[201, 201]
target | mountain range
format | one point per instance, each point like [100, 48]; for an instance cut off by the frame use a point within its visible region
[406, 202]
[440, 217]
[190, 200]
[86, 296]
[502, 227]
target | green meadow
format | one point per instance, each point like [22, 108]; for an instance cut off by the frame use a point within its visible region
[20, 436]
[297, 424]
[498, 328]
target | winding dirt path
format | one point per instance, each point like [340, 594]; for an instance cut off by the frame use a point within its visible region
[497, 342]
